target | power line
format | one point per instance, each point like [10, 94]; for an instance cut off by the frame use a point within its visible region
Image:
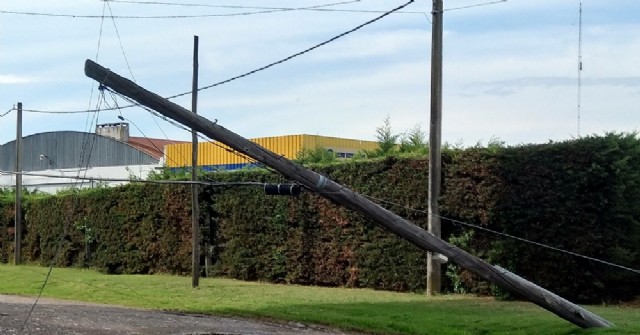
[229, 6]
[180, 126]
[75, 184]
[475, 5]
[511, 236]
[315, 8]
[540, 244]
[159, 182]
[301, 52]
[134, 80]
[79, 16]
[83, 16]
[9, 111]
[126, 60]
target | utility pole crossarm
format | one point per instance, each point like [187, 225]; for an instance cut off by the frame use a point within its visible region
[348, 198]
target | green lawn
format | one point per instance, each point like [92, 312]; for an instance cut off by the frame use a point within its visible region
[356, 309]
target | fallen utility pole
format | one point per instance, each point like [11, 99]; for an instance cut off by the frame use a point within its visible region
[352, 200]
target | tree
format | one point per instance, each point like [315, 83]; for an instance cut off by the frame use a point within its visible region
[414, 141]
[387, 140]
[315, 156]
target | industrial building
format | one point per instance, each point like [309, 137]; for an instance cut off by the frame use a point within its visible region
[109, 153]
[52, 161]
[214, 156]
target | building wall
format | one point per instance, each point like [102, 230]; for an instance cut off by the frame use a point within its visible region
[48, 184]
[72, 154]
[218, 155]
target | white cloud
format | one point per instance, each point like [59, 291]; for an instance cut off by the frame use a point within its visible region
[10, 79]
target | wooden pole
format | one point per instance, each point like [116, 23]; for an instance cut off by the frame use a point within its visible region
[434, 266]
[18, 217]
[348, 198]
[195, 210]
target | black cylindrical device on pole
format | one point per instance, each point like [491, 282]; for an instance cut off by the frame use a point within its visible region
[282, 189]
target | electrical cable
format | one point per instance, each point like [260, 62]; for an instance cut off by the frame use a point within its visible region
[55, 254]
[313, 8]
[80, 16]
[475, 5]
[140, 181]
[225, 6]
[180, 126]
[636, 271]
[246, 74]
[148, 139]
[293, 8]
[133, 78]
[454, 221]
[301, 52]
[126, 60]
[9, 111]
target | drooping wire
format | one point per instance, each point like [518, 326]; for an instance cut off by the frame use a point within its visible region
[58, 246]
[264, 11]
[79, 16]
[68, 222]
[475, 5]
[289, 8]
[495, 232]
[180, 126]
[453, 220]
[126, 60]
[121, 117]
[312, 8]
[161, 3]
[288, 58]
[9, 111]
[246, 74]
[132, 77]
[82, 153]
[139, 181]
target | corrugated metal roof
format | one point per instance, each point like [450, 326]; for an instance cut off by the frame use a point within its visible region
[71, 149]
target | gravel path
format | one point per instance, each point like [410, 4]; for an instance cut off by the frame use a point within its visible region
[53, 317]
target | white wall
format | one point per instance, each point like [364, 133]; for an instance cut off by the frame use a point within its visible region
[52, 185]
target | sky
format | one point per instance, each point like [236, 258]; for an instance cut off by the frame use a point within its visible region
[510, 69]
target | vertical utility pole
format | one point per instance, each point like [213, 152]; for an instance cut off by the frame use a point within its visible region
[18, 223]
[195, 211]
[433, 263]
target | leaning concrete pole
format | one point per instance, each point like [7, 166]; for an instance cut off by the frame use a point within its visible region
[350, 199]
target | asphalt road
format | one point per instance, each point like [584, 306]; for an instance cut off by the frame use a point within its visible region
[52, 317]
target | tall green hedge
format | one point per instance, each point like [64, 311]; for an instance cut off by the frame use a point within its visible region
[580, 195]
[7, 215]
[129, 229]
[309, 240]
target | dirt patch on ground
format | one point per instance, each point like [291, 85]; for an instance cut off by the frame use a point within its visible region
[52, 317]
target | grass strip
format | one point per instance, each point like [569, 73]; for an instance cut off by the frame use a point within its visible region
[377, 312]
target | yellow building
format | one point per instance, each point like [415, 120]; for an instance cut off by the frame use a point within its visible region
[217, 156]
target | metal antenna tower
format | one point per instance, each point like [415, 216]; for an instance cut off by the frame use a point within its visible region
[579, 65]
